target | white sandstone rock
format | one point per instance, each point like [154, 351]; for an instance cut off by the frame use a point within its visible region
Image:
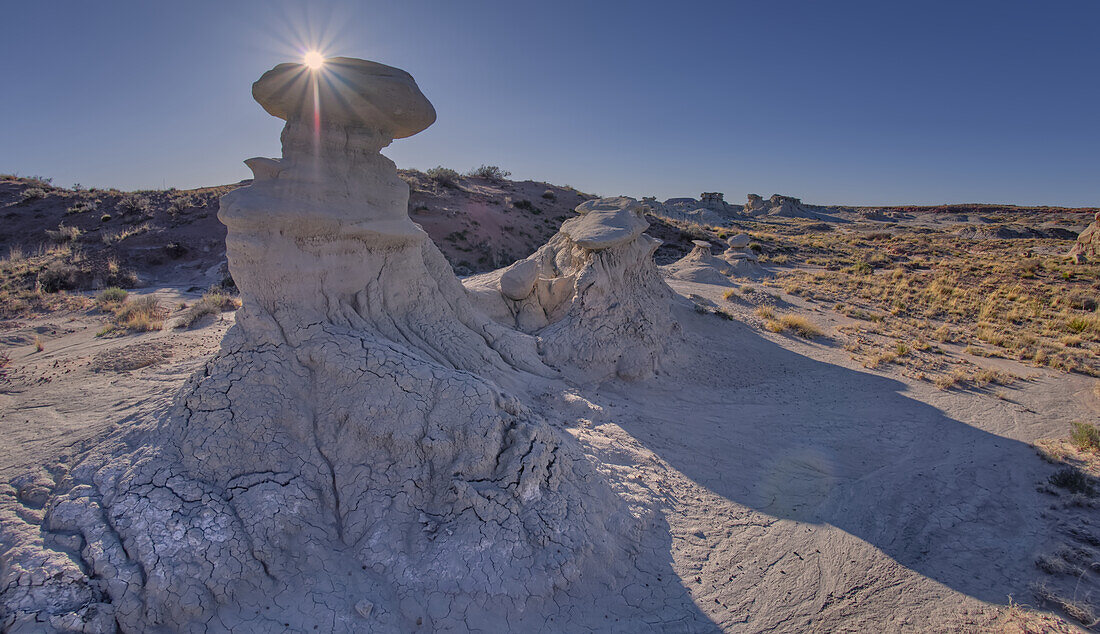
[739, 241]
[518, 280]
[599, 304]
[351, 437]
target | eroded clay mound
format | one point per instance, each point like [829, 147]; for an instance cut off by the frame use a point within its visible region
[346, 456]
[592, 294]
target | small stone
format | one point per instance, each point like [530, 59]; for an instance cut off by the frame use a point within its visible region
[364, 608]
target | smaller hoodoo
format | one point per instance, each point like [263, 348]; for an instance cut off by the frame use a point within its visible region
[592, 294]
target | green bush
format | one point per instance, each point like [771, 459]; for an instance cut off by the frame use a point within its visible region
[1085, 436]
[1073, 480]
[492, 172]
[33, 193]
[111, 295]
[443, 175]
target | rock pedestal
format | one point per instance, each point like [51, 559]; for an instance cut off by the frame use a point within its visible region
[349, 452]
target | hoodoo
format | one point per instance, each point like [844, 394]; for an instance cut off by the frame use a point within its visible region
[350, 452]
[592, 294]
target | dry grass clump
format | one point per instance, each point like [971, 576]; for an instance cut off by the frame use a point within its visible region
[1085, 436]
[1078, 610]
[782, 322]
[213, 302]
[142, 314]
[921, 283]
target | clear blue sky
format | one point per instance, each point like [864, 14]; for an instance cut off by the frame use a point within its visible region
[870, 102]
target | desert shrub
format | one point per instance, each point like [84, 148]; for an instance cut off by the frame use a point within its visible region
[859, 268]
[492, 172]
[33, 193]
[81, 207]
[756, 246]
[64, 233]
[948, 381]
[140, 315]
[1072, 479]
[729, 294]
[105, 217]
[111, 295]
[59, 276]
[1085, 436]
[443, 175]
[180, 205]
[989, 376]
[1080, 300]
[526, 206]
[549, 195]
[213, 302]
[802, 326]
[133, 204]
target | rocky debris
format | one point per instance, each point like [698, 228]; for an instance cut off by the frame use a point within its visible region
[350, 450]
[597, 303]
[1088, 243]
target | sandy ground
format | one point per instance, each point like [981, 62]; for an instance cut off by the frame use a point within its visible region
[800, 490]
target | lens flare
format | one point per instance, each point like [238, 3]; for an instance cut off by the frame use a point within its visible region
[314, 60]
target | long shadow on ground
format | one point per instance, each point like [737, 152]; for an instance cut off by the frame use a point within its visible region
[805, 440]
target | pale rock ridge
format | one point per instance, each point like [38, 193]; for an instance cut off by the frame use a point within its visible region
[342, 458]
[592, 294]
[1088, 243]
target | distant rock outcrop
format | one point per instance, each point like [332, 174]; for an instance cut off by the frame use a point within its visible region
[777, 205]
[1088, 243]
[592, 294]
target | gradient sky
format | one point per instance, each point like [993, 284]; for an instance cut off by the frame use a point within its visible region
[872, 102]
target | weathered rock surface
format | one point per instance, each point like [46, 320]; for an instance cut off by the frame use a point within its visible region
[349, 458]
[703, 266]
[739, 241]
[598, 303]
[1088, 242]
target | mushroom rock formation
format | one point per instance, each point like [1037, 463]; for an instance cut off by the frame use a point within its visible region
[701, 266]
[738, 250]
[1088, 243]
[592, 294]
[344, 456]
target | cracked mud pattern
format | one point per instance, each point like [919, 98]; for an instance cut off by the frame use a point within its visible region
[270, 498]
